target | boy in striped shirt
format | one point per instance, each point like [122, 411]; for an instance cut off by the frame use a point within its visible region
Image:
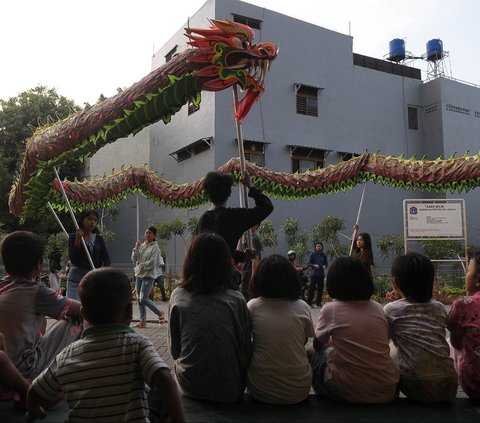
[104, 375]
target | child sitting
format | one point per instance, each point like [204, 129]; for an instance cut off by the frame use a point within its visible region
[279, 372]
[11, 381]
[358, 368]
[464, 326]
[209, 331]
[103, 374]
[417, 328]
[24, 305]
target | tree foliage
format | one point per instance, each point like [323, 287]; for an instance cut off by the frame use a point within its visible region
[390, 245]
[295, 237]
[442, 249]
[19, 116]
[327, 231]
[268, 235]
[192, 225]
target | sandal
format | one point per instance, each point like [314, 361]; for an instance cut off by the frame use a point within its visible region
[141, 324]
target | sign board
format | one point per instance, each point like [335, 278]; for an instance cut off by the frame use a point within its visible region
[434, 218]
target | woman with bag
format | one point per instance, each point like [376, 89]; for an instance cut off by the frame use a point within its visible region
[146, 257]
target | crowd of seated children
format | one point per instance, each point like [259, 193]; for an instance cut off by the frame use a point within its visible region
[351, 357]
[279, 372]
[417, 328]
[103, 374]
[464, 326]
[221, 345]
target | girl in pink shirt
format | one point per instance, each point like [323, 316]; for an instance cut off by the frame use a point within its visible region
[358, 368]
[464, 326]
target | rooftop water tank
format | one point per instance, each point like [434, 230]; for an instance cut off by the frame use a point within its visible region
[434, 50]
[396, 50]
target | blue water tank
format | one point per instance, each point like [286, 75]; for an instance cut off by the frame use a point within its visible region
[434, 50]
[396, 50]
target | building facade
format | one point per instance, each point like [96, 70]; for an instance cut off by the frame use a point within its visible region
[323, 103]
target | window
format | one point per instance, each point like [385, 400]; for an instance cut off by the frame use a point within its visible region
[197, 147]
[307, 100]
[413, 118]
[306, 158]
[251, 22]
[254, 152]
[192, 108]
[170, 54]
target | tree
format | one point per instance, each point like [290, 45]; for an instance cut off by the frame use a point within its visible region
[295, 237]
[441, 249]
[164, 234]
[57, 242]
[192, 226]
[268, 235]
[19, 116]
[390, 245]
[328, 231]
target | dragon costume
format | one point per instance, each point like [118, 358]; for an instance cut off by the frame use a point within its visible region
[221, 56]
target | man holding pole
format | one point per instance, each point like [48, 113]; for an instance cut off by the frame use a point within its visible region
[231, 223]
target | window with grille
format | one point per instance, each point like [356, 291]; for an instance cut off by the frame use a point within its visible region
[254, 152]
[307, 100]
[197, 147]
[305, 158]
[413, 118]
[170, 54]
[251, 22]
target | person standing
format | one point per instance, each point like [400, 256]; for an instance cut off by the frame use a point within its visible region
[318, 261]
[87, 229]
[231, 222]
[54, 267]
[159, 281]
[363, 250]
[146, 258]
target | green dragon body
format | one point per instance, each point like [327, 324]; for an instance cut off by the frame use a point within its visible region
[220, 57]
[455, 174]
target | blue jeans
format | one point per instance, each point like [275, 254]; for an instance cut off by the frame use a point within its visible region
[74, 277]
[143, 287]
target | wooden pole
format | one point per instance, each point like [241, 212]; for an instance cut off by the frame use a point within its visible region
[58, 220]
[138, 220]
[73, 216]
[355, 227]
[241, 154]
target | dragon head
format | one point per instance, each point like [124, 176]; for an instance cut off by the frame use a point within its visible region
[227, 56]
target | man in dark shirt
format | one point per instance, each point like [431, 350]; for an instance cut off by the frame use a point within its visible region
[231, 222]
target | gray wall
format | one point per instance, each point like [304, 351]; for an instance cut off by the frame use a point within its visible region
[360, 110]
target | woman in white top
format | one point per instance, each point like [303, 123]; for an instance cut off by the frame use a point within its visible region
[146, 257]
